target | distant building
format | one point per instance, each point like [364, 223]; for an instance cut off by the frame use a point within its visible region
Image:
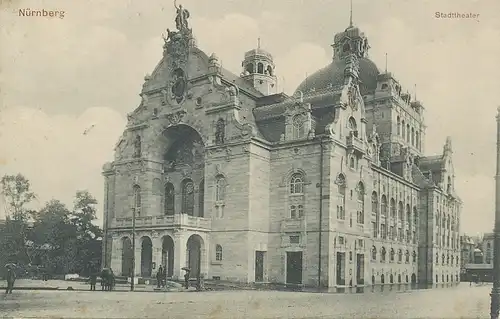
[467, 245]
[486, 247]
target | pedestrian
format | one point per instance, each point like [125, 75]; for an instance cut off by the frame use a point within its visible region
[11, 278]
[93, 280]
[186, 279]
[159, 277]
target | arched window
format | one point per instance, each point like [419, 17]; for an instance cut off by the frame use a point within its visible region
[188, 197]
[297, 184]
[353, 127]
[400, 255]
[361, 203]
[408, 216]
[137, 146]
[269, 70]
[341, 197]
[408, 132]
[260, 68]
[169, 199]
[393, 209]
[437, 258]
[383, 254]
[442, 259]
[249, 68]
[346, 47]
[392, 254]
[298, 128]
[399, 126]
[400, 212]
[383, 206]
[412, 136]
[218, 253]
[374, 253]
[137, 198]
[407, 256]
[201, 199]
[403, 129]
[220, 130]
[220, 188]
[352, 162]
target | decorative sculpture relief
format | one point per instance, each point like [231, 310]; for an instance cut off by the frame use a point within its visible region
[175, 118]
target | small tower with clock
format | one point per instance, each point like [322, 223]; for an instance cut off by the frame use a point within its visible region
[258, 69]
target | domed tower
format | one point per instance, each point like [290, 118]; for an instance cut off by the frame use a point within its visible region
[351, 41]
[258, 69]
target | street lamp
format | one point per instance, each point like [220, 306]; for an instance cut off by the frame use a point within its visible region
[495, 291]
[132, 276]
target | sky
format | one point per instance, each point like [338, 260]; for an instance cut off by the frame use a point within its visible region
[60, 77]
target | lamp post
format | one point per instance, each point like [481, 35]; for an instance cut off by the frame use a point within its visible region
[495, 291]
[132, 276]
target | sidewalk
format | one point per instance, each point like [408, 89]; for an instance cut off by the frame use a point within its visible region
[33, 284]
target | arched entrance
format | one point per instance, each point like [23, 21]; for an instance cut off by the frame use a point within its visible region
[194, 248]
[146, 257]
[184, 151]
[127, 256]
[167, 255]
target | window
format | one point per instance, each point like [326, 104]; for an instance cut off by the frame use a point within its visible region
[137, 198]
[392, 254]
[298, 126]
[383, 231]
[408, 132]
[341, 197]
[361, 203]
[374, 253]
[393, 209]
[297, 184]
[417, 140]
[137, 147]
[403, 129]
[414, 255]
[407, 256]
[188, 197]
[220, 129]
[383, 206]
[383, 254]
[374, 229]
[341, 240]
[437, 258]
[201, 199]
[415, 216]
[169, 199]
[295, 239]
[400, 212]
[352, 162]
[218, 253]
[412, 136]
[353, 127]
[220, 188]
[399, 126]
[408, 216]
[260, 68]
[296, 211]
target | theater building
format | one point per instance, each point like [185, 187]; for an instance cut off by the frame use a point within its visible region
[329, 186]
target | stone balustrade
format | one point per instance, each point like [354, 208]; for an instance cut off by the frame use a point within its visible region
[178, 220]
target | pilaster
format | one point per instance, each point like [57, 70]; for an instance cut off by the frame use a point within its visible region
[180, 257]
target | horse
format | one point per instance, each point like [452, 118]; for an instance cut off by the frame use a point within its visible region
[107, 279]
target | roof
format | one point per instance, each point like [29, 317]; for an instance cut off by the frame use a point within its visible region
[333, 75]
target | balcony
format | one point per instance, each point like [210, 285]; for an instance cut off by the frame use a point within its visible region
[177, 220]
[293, 225]
[355, 144]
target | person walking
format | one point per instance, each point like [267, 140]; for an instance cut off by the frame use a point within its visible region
[11, 278]
[186, 278]
[159, 277]
[93, 280]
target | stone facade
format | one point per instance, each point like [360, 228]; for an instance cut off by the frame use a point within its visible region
[327, 187]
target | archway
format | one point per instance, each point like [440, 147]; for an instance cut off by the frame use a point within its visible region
[194, 247]
[146, 257]
[167, 255]
[183, 151]
[413, 278]
[127, 256]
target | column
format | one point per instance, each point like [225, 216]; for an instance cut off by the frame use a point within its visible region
[157, 247]
[116, 255]
[180, 258]
[137, 255]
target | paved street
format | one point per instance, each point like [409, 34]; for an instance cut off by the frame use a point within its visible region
[455, 302]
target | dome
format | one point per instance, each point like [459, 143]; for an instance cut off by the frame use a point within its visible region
[333, 74]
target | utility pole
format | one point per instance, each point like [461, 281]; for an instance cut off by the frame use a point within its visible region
[132, 276]
[495, 291]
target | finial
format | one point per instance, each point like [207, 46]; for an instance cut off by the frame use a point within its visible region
[350, 20]
[385, 62]
[258, 43]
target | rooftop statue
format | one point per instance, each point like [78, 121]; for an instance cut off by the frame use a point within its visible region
[181, 19]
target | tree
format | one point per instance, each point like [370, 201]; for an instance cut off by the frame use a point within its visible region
[88, 235]
[17, 192]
